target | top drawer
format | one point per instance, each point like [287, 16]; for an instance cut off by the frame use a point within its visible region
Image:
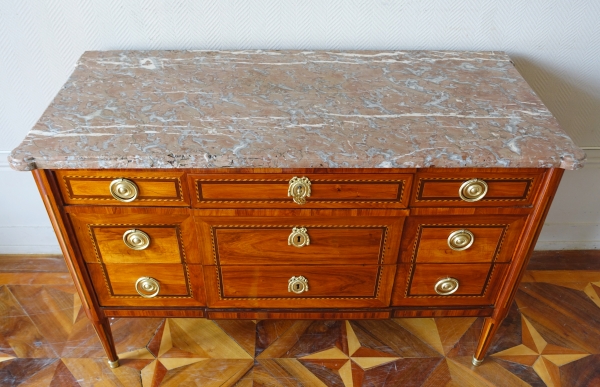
[476, 188]
[125, 188]
[300, 190]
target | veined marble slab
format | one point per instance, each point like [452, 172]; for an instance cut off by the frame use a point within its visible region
[296, 109]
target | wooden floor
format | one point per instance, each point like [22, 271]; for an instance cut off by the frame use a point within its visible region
[551, 337]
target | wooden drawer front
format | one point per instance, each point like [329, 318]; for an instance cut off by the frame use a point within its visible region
[93, 187]
[172, 237]
[328, 286]
[425, 238]
[333, 240]
[472, 278]
[180, 285]
[506, 189]
[478, 284]
[327, 190]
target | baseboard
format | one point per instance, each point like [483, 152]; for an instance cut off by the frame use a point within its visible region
[574, 236]
[593, 158]
[567, 245]
[43, 240]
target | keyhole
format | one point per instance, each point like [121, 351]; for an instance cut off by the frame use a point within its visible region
[299, 190]
[298, 238]
[297, 286]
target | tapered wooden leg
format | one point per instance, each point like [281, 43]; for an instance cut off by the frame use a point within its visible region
[102, 328]
[60, 222]
[490, 326]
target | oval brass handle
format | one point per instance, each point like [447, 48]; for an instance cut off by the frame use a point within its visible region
[473, 190]
[136, 239]
[299, 237]
[446, 286]
[460, 240]
[123, 190]
[299, 189]
[147, 287]
[298, 285]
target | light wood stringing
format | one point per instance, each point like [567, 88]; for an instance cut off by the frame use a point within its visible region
[331, 190]
[165, 188]
[505, 188]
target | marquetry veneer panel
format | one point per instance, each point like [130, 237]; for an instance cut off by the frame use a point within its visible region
[359, 286]
[331, 190]
[180, 285]
[478, 284]
[336, 239]
[100, 235]
[92, 187]
[506, 188]
[425, 238]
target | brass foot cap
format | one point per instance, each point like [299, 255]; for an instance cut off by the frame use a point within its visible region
[113, 364]
[476, 362]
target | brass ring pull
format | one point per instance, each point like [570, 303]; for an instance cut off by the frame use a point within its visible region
[446, 286]
[299, 189]
[299, 237]
[460, 240]
[147, 287]
[123, 190]
[136, 239]
[473, 190]
[298, 285]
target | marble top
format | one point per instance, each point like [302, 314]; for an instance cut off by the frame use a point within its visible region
[295, 109]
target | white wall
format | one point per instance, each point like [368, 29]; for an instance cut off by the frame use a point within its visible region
[573, 222]
[24, 225]
[554, 43]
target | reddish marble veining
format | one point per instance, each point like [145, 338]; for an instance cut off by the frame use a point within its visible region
[294, 109]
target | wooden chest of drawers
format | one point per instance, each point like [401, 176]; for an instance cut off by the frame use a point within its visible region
[362, 244]
[296, 185]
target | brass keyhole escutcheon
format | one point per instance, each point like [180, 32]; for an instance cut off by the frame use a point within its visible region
[299, 189]
[136, 239]
[473, 190]
[299, 237]
[460, 240]
[298, 285]
[446, 286]
[123, 190]
[147, 287]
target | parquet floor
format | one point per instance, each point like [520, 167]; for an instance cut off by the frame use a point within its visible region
[551, 337]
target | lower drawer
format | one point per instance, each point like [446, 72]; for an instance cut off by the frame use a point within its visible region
[448, 284]
[299, 286]
[161, 284]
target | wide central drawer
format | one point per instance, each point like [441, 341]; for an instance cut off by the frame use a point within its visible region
[299, 286]
[299, 240]
[327, 245]
[332, 190]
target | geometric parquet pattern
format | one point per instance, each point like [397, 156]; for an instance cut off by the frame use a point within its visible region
[550, 338]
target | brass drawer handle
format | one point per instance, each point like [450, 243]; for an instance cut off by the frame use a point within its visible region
[136, 239]
[446, 286]
[298, 285]
[473, 190]
[299, 237]
[147, 287]
[123, 190]
[460, 240]
[299, 189]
